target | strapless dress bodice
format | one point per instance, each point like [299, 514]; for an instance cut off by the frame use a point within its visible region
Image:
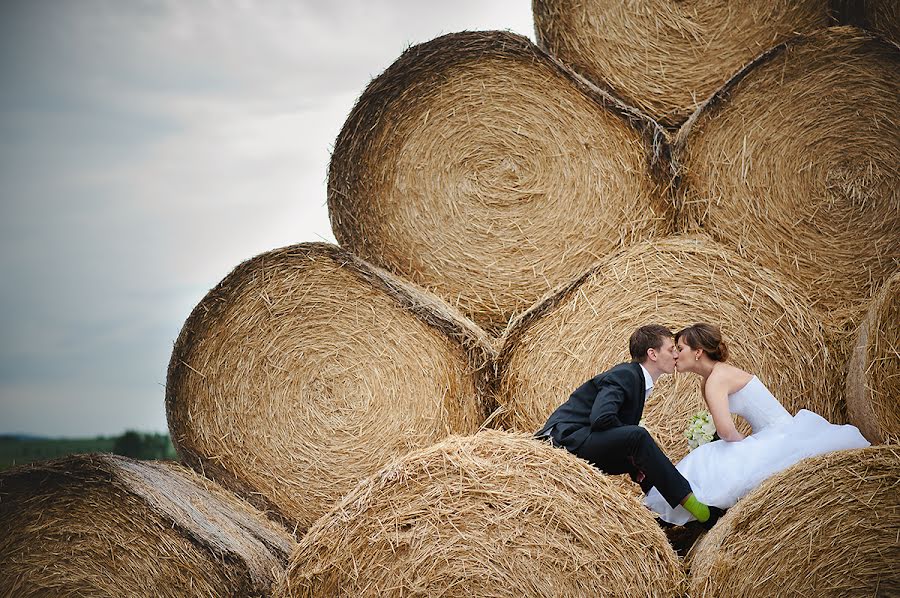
[756, 404]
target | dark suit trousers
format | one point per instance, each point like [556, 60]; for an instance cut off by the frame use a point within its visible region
[628, 449]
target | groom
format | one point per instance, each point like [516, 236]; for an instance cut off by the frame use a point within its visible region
[599, 422]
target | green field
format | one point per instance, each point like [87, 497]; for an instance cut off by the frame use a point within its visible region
[17, 450]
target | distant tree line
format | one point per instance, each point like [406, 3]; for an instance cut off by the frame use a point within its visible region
[20, 450]
[144, 446]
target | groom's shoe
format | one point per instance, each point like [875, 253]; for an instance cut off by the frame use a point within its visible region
[714, 514]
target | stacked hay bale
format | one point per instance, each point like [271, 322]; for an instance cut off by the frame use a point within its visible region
[101, 525]
[478, 167]
[584, 328]
[666, 57]
[490, 515]
[873, 378]
[826, 527]
[306, 369]
[794, 165]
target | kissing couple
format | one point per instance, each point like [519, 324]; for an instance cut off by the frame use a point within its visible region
[599, 423]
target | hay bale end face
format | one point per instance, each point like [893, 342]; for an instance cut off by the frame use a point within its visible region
[584, 328]
[826, 527]
[873, 377]
[494, 514]
[103, 525]
[478, 167]
[306, 369]
[666, 57]
[794, 164]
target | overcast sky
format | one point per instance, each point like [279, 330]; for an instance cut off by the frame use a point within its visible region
[146, 148]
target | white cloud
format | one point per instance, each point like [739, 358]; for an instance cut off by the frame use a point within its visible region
[146, 150]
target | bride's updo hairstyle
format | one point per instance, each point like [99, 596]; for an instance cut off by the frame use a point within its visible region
[706, 337]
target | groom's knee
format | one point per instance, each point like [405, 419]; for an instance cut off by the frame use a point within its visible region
[642, 444]
[637, 435]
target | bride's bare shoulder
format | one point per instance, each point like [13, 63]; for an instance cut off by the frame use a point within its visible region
[731, 377]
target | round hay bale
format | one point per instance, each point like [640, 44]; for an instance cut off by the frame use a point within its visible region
[826, 527]
[583, 330]
[494, 514]
[306, 369]
[103, 525]
[478, 167]
[794, 164]
[666, 57]
[873, 377]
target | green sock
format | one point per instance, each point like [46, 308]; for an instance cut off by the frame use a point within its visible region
[696, 508]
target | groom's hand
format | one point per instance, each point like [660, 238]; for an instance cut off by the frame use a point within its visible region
[637, 476]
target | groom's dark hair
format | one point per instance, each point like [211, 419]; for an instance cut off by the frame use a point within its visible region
[647, 337]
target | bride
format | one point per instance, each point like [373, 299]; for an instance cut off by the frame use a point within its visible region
[723, 471]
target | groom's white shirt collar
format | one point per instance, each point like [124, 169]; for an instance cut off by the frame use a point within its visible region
[648, 381]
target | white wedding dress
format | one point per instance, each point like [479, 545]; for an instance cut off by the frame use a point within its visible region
[720, 472]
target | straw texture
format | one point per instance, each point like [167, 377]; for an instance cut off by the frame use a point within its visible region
[491, 515]
[306, 369]
[883, 16]
[873, 377]
[103, 525]
[478, 167]
[880, 16]
[667, 57]
[583, 330]
[827, 527]
[794, 164]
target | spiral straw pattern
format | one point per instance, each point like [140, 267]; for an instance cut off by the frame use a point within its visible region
[478, 167]
[794, 165]
[667, 57]
[584, 328]
[306, 369]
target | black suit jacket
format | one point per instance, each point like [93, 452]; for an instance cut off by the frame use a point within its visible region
[608, 400]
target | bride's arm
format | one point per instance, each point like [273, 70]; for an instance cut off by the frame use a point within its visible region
[716, 396]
